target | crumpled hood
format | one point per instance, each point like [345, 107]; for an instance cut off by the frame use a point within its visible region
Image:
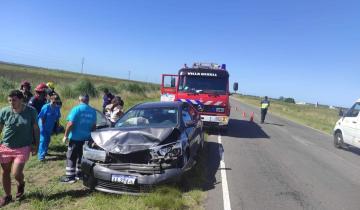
[125, 141]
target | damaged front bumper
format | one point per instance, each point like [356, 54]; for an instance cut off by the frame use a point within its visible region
[142, 177]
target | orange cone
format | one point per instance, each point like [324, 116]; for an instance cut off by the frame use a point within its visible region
[252, 117]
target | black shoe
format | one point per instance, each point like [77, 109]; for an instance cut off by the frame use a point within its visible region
[5, 200]
[20, 191]
[66, 179]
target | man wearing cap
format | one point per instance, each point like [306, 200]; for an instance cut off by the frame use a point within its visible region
[265, 103]
[51, 91]
[25, 88]
[81, 121]
[47, 118]
[39, 100]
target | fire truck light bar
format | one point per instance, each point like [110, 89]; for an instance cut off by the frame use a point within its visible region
[208, 66]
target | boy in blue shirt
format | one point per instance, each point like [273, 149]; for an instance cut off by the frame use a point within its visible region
[48, 116]
[81, 121]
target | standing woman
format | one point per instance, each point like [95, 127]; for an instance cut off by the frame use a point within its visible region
[114, 111]
[20, 137]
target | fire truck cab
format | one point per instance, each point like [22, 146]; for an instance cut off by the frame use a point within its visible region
[205, 86]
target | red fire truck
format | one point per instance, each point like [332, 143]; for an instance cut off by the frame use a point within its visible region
[206, 87]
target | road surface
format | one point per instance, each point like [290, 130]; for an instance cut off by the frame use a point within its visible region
[279, 165]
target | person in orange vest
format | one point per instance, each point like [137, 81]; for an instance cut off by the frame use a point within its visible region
[265, 103]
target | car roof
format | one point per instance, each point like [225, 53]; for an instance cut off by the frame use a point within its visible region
[358, 100]
[163, 104]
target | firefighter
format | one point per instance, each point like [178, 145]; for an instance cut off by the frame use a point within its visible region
[107, 98]
[265, 103]
[39, 100]
[25, 88]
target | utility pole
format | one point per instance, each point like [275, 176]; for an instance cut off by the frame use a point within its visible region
[82, 65]
[129, 75]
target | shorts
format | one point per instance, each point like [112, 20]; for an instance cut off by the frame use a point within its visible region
[16, 155]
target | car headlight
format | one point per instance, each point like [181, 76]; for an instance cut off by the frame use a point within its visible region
[94, 154]
[169, 150]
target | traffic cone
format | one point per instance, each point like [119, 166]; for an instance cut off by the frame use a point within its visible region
[252, 117]
[244, 115]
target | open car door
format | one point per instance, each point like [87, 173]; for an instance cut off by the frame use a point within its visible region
[168, 87]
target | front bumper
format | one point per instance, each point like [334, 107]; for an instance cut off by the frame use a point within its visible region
[214, 120]
[98, 176]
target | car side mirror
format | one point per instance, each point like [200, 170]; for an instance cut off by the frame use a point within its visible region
[236, 86]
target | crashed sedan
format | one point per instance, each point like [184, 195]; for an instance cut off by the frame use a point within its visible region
[152, 143]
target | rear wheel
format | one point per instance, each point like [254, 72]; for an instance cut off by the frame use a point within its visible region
[338, 140]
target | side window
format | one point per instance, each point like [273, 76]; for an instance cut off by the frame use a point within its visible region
[185, 113]
[354, 111]
[186, 116]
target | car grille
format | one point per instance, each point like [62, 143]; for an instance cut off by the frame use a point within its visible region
[142, 157]
[124, 188]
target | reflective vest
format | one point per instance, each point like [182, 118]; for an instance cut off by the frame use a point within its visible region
[265, 104]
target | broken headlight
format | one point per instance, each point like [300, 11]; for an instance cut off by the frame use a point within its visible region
[94, 154]
[167, 150]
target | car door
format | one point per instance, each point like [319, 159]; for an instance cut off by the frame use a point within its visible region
[189, 126]
[350, 124]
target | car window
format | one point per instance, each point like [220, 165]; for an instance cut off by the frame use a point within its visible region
[354, 111]
[186, 116]
[101, 119]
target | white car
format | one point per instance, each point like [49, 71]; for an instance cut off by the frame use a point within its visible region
[347, 128]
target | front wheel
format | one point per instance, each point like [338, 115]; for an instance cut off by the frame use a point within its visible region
[338, 140]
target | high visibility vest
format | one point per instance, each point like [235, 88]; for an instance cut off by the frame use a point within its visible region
[264, 106]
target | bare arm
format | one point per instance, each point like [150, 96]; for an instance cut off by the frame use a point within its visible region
[68, 128]
[36, 132]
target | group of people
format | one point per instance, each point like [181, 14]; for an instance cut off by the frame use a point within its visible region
[29, 121]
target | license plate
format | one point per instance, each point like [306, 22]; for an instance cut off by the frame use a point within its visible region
[125, 179]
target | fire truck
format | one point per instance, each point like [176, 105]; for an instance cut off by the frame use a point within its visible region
[206, 87]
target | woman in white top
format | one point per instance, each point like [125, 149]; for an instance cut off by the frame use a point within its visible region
[114, 110]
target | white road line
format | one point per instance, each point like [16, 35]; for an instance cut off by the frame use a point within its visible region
[225, 189]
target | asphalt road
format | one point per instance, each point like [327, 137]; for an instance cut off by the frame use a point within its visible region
[281, 165]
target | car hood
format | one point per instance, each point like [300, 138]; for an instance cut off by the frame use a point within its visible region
[125, 141]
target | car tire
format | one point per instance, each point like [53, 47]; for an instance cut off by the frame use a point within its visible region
[338, 140]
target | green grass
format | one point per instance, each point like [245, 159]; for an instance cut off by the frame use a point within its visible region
[319, 118]
[43, 189]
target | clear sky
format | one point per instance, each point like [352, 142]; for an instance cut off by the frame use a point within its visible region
[308, 49]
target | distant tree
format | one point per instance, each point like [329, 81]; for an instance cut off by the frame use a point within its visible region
[289, 100]
[281, 98]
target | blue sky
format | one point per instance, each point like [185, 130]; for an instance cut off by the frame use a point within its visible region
[309, 50]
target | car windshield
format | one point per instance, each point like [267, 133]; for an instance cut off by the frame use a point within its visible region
[196, 84]
[149, 117]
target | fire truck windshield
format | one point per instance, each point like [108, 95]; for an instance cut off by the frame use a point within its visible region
[196, 84]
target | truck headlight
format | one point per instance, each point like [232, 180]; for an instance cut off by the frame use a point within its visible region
[94, 154]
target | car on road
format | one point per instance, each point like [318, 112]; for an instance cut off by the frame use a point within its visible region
[347, 128]
[152, 143]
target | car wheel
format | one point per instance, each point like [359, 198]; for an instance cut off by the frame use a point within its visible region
[338, 140]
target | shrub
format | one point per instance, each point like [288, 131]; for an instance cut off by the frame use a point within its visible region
[6, 84]
[135, 88]
[85, 86]
[68, 92]
[112, 89]
[289, 100]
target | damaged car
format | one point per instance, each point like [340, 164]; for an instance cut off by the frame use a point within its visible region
[151, 144]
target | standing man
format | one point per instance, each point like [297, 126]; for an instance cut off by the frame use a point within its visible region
[39, 100]
[265, 103]
[48, 117]
[20, 137]
[107, 98]
[25, 88]
[81, 121]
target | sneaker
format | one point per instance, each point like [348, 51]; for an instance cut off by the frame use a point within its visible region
[20, 191]
[78, 177]
[5, 200]
[66, 179]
